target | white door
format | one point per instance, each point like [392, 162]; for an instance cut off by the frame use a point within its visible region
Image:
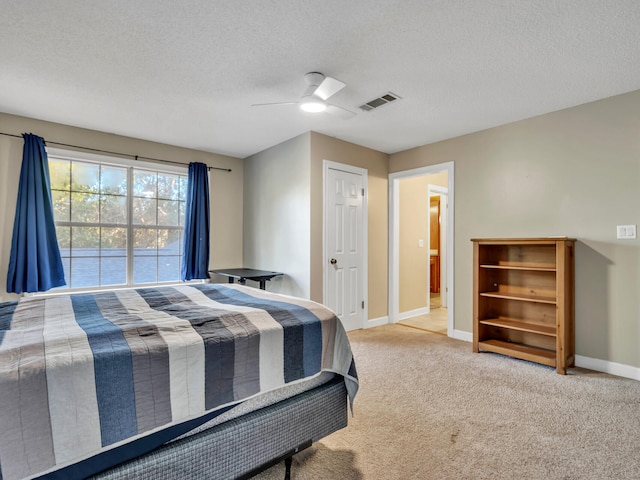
[344, 283]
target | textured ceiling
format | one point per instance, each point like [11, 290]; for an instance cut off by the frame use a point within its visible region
[186, 72]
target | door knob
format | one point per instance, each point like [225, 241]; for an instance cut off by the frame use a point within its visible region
[333, 261]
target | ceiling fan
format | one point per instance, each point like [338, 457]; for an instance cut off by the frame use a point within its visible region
[314, 99]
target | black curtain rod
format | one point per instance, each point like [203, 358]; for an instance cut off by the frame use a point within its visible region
[135, 157]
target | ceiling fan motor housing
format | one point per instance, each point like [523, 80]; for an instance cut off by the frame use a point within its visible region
[314, 79]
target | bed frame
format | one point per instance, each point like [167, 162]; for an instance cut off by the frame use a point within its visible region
[244, 446]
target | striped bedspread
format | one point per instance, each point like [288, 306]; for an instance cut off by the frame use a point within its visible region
[85, 373]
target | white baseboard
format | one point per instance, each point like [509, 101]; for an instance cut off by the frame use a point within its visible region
[606, 366]
[462, 335]
[413, 313]
[376, 322]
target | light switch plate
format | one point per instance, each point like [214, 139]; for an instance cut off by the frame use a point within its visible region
[626, 231]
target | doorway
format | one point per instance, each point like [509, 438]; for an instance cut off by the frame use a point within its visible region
[421, 264]
[438, 204]
[345, 243]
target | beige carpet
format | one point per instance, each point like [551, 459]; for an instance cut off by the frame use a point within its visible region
[429, 408]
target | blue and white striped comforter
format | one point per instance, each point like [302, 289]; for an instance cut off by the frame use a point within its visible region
[84, 373]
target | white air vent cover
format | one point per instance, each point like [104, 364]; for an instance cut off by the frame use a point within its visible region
[380, 101]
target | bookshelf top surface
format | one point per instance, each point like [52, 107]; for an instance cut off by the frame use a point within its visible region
[522, 241]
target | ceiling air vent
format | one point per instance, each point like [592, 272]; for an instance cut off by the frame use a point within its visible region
[380, 101]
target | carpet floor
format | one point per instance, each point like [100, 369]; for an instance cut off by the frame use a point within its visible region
[429, 408]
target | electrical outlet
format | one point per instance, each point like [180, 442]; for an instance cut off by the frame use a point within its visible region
[626, 231]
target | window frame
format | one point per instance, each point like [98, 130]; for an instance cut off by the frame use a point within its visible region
[130, 165]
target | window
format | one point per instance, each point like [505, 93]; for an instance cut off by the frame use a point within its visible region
[118, 223]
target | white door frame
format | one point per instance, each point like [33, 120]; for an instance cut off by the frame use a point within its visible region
[394, 236]
[364, 173]
[434, 191]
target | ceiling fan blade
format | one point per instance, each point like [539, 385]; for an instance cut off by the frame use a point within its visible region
[339, 112]
[275, 103]
[328, 87]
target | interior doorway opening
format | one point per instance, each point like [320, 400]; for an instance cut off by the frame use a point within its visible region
[421, 252]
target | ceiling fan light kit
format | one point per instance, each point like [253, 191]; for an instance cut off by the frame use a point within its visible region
[312, 104]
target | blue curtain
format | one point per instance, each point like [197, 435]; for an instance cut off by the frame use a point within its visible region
[35, 264]
[195, 260]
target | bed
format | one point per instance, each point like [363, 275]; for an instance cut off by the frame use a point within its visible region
[190, 381]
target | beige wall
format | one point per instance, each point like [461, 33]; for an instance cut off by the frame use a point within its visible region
[276, 214]
[283, 214]
[575, 172]
[226, 187]
[376, 163]
[413, 220]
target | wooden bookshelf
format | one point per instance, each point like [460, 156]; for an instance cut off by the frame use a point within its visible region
[523, 302]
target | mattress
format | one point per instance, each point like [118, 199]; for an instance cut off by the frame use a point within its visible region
[91, 380]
